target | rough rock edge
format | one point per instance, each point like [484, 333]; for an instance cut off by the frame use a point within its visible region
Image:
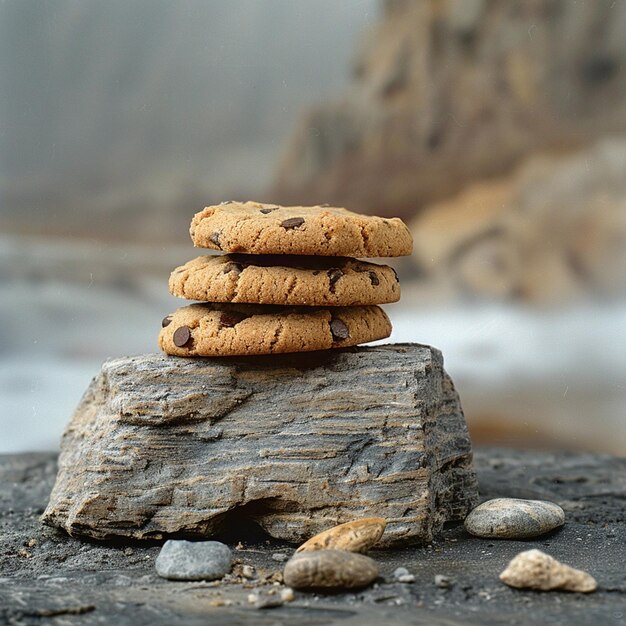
[100, 448]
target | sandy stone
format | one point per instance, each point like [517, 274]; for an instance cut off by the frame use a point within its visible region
[357, 536]
[534, 569]
[329, 569]
[511, 518]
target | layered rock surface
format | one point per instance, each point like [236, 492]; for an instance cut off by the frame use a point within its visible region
[163, 446]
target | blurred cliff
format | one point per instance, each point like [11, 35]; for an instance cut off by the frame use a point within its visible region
[479, 121]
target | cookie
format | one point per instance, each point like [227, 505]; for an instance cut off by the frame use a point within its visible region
[255, 228]
[210, 329]
[285, 280]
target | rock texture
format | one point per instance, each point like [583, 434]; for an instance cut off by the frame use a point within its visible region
[552, 230]
[514, 518]
[445, 93]
[534, 569]
[45, 572]
[163, 446]
[357, 536]
[330, 569]
[193, 560]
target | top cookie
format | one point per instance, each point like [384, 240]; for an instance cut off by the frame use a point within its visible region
[255, 228]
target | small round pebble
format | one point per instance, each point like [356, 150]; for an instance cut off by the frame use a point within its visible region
[193, 560]
[279, 556]
[511, 518]
[441, 581]
[400, 571]
[330, 569]
[402, 575]
[287, 594]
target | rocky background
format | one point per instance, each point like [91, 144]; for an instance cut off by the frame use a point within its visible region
[497, 129]
[484, 124]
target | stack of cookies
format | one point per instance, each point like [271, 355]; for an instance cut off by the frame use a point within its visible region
[289, 281]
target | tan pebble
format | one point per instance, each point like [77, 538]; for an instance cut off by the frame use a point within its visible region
[357, 536]
[329, 569]
[534, 569]
[247, 571]
[287, 595]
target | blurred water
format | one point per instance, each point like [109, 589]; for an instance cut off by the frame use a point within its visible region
[116, 115]
[557, 375]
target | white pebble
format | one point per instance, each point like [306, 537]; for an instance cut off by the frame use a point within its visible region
[406, 578]
[287, 595]
[442, 581]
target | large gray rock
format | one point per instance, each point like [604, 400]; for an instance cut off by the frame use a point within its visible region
[163, 446]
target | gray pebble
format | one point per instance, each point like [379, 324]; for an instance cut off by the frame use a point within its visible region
[193, 560]
[279, 556]
[400, 571]
[402, 575]
[510, 518]
[329, 569]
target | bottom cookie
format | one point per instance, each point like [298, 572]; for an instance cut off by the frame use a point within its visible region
[211, 329]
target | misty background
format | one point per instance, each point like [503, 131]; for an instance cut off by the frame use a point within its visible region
[496, 130]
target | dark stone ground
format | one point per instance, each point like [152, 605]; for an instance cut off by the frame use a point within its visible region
[58, 580]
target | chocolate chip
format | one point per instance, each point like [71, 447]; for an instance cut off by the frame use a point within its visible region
[339, 329]
[215, 238]
[228, 320]
[166, 321]
[292, 222]
[268, 210]
[232, 267]
[334, 274]
[316, 272]
[182, 335]
[374, 278]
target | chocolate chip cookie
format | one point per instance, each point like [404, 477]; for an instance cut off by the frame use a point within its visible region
[256, 228]
[210, 329]
[285, 279]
